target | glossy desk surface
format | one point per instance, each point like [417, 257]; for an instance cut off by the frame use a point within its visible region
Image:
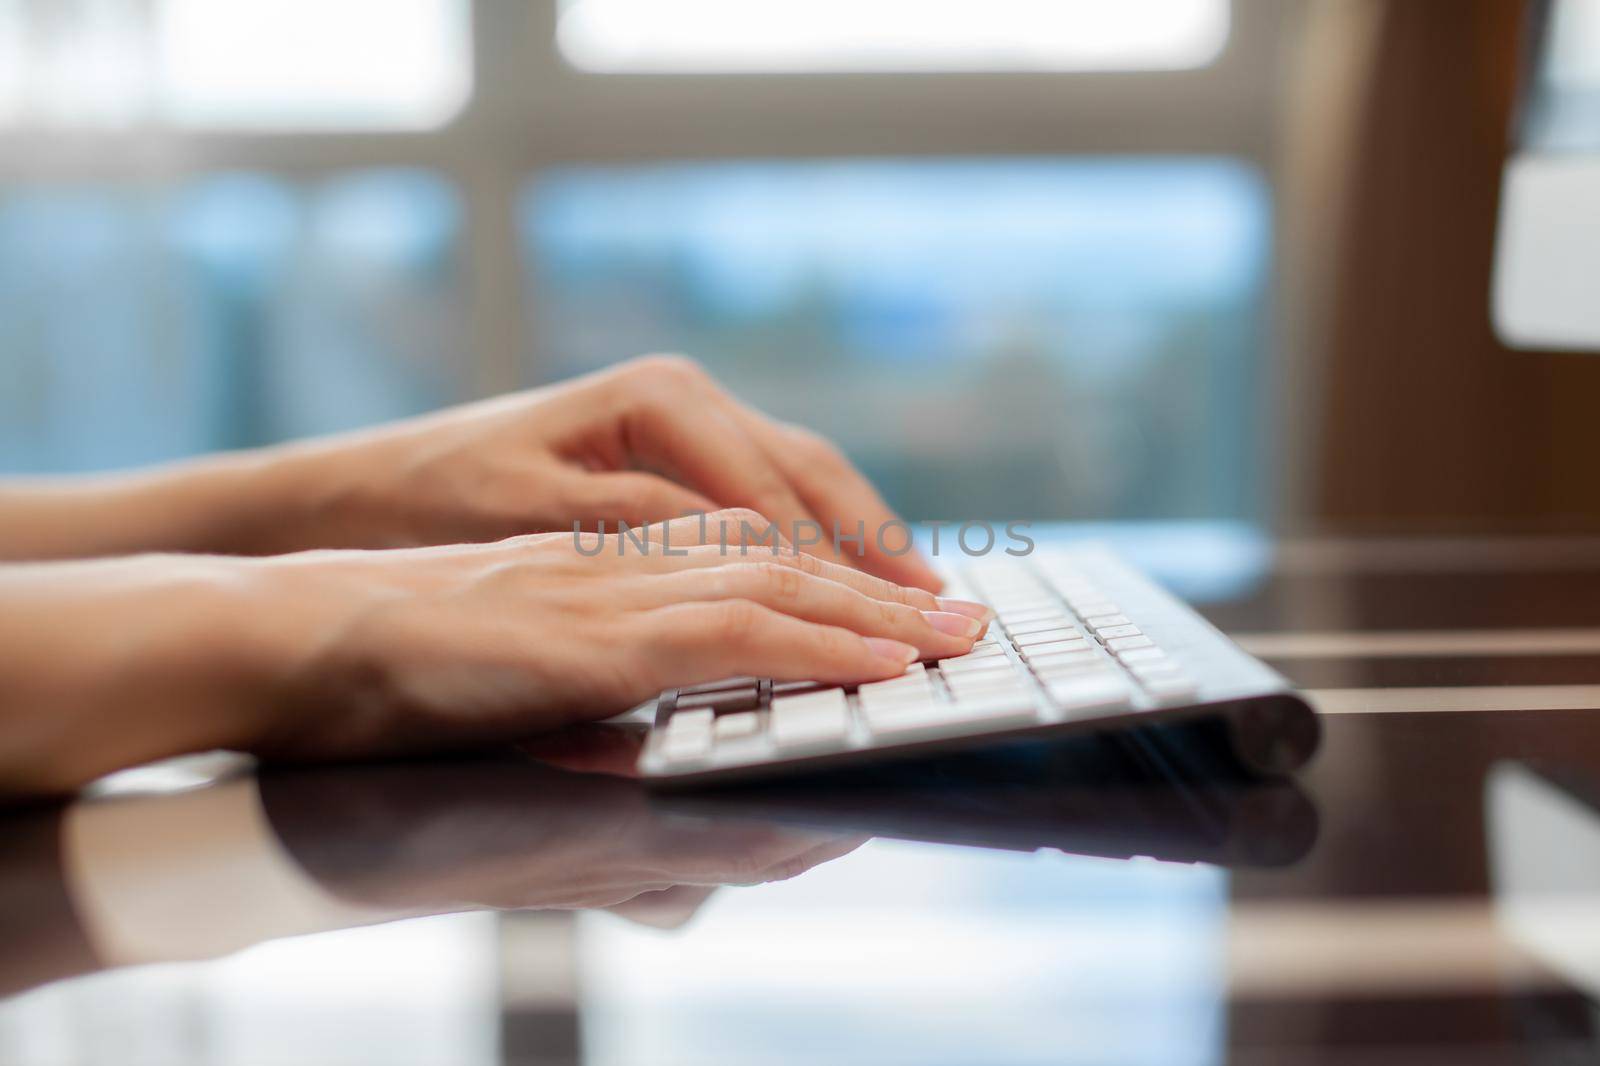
[521, 910]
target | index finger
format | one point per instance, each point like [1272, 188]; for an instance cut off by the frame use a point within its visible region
[709, 532]
[842, 497]
[710, 448]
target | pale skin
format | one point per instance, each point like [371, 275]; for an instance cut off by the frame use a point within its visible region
[420, 587]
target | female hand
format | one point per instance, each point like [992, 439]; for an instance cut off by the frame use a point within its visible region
[648, 441]
[341, 654]
[448, 646]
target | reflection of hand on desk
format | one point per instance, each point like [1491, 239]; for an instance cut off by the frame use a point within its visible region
[211, 871]
[510, 834]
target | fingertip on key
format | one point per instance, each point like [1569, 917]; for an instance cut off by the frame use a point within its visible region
[972, 609]
[893, 650]
[954, 624]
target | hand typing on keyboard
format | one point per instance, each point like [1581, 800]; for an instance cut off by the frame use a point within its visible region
[341, 654]
[498, 640]
[1081, 642]
[427, 628]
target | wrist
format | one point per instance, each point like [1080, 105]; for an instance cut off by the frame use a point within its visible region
[112, 663]
[234, 503]
[240, 503]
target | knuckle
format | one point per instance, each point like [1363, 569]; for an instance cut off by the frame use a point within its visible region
[669, 369]
[507, 577]
[898, 614]
[833, 643]
[816, 449]
[731, 622]
[897, 594]
[782, 582]
[589, 544]
[738, 517]
[771, 491]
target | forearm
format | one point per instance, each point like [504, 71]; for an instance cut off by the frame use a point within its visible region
[225, 503]
[109, 664]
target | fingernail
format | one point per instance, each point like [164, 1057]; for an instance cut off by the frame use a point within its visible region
[892, 649]
[957, 625]
[981, 611]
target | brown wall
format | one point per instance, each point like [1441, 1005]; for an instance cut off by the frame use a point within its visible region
[1426, 421]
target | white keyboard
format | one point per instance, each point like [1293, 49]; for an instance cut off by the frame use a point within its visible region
[1081, 642]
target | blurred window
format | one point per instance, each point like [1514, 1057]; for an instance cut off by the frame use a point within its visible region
[755, 36]
[1564, 114]
[1574, 44]
[259, 64]
[230, 311]
[1047, 338]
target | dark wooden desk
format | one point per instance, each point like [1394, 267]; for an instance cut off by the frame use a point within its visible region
[1376, 938]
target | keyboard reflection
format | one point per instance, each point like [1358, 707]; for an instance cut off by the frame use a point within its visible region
[1166, 793]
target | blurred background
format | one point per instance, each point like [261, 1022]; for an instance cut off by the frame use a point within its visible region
[1025, 259]
[1223, 259]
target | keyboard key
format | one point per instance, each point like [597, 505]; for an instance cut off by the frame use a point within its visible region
[1049, 636]
[1032, 614]
[975, 679]
[741, 699]
[1091, 673]
[1065, 658]
[988, 662]
[1172, 689]
[891, 704]
[903, 719]
[683, 747]
[718, 686]
[988, 665]
[900, 689]
[1060, 670]
[1056, 647]
[991, 649]
[1059, 621]
[1030, 602]
[963, 684]
[977, 715]
[1129, 643]
[817, 720]
[687, 735]
[691, 721]
[1154, 668]
[1090, 692]
[1106, 621]
[795, 688]
[1014, 703]
[1140, 655]
[733, 726]
[985, 662]
[1113, 632]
